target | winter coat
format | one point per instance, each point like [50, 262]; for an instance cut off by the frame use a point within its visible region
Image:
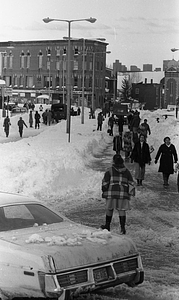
[111, 122]
[117, 143]
[168, 155]
[141, 155]
[6, 124]
[21, 123]
[120, 122]
[135, 122]
[30, 118]
[115, 183]
[127, 138]
[37, 117]
[100, 119]
[145, 128]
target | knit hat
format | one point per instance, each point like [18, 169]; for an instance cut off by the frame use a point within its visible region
[117, 159]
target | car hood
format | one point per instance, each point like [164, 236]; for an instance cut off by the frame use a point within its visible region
[70, 245]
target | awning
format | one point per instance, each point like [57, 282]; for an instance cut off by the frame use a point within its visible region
[43, 97]
[2, 82]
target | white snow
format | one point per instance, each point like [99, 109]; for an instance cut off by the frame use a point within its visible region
[44, 164]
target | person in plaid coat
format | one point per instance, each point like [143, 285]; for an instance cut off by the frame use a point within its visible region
[116, 189]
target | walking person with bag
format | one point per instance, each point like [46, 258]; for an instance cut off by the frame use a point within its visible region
[117, 188]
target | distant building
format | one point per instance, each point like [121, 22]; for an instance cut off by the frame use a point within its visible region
[118, 67]
[147, 67]
[157, 70]
[134, 69]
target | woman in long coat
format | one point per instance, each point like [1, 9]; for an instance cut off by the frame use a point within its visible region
[141, 156]
[168, 155]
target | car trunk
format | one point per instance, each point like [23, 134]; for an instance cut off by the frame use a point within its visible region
[81, 248]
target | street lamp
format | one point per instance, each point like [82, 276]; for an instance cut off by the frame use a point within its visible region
[47, 20]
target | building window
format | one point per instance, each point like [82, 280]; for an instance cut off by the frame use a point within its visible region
[39, 79]
[5, 60]
[8, 80]
[57, 63]
[10, 60]
[40, 55]
[47, 84]
[75, 81]
[15, 81]
[28, 60]
[90, 81]
[137, 91]
[57, 51]
[29, 81]
[64, 51]
[75, 65]
[21, 82]
[76, 50]
[22, 62]
[57, 81]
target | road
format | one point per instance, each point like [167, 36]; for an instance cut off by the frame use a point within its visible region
[152, 223]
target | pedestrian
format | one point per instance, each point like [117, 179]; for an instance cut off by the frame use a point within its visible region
[168, 156]
[21, 125]
[127, 138]
[117, 146]
[100, 120]
[41, 107]
[145, 127]
[31, 119]
[49, 117]
[44, 117]
[111, 122]
[78, 111]
[117, 184]
[120, 124]
[135, 122]
[37, 120]
[6, 125]
[141, 156]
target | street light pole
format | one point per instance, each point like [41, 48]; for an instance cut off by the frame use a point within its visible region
[83, 84]
[47, 20]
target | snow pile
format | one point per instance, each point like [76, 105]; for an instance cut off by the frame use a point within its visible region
[99, 236]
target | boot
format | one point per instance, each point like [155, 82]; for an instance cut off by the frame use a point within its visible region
[122, 223]
[108, 222]
[138, 182]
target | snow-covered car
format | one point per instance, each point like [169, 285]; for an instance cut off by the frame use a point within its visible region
[45, 255]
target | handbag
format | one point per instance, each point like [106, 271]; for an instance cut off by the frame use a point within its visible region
[131, 190]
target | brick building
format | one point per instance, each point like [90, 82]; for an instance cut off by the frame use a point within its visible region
[33, 68]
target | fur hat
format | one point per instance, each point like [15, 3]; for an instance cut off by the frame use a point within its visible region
[117, 159]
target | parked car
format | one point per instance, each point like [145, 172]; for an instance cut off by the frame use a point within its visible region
[45, 255]
[18, 110]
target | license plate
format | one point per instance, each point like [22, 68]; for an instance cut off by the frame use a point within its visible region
[100, 275]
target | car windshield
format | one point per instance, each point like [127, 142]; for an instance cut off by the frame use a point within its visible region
[19, 216]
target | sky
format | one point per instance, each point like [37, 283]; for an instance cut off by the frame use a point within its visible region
[138, 32]
[45, 165]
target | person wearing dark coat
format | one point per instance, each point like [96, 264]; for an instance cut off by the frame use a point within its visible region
[168, 156]
[37, 120]
[135, 122]
[31, 119]
[111, 122]
[141, 156]
[117, 146]
[100, 120]
[21, 125]
[117, 185]
[6, 125]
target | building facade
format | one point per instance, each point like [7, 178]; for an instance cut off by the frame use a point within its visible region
[33, 68]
